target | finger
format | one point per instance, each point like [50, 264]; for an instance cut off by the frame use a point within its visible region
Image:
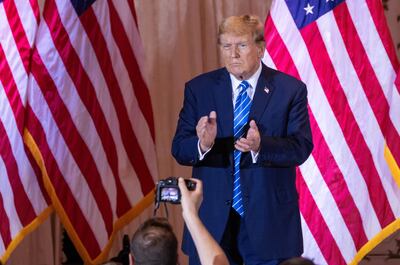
[182, 186]
[242, 145]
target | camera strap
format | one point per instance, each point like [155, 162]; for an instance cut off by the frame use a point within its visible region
[157, 206]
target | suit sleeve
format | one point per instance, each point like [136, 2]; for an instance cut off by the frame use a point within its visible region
[295, 148]
[184, 144]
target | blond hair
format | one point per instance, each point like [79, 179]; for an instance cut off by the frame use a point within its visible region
[242, 25]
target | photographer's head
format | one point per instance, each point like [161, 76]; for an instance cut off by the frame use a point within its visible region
[154, 243]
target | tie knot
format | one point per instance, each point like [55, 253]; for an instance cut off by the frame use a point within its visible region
[244, 85]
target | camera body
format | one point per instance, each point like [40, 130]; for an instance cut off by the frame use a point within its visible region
[167, 190]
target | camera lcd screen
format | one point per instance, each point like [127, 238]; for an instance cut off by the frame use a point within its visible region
[169, 194]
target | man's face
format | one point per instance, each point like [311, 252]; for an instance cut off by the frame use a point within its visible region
[240, 54]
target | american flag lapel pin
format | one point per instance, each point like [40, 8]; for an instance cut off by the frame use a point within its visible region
[266, 90]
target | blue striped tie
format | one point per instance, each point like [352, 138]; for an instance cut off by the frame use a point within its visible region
[241, 115]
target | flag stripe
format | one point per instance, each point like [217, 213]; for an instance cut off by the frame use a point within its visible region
[72, 137]
[142, 132]
[337, 186]
[22, 203]
[11, 91]
[73, 211]
[311, 249]
[375, 8]
[91, 26]
[348, 65]
[130, 140]
[283, 60]
[18, 32]
[317, 224]
[140, 90]
[358, 101]
[368, 78]
[277, 49]
[346, 120]
[35, 9]
[5, 222]
[326, 120]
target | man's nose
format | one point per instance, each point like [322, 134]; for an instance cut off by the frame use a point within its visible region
[234, 51]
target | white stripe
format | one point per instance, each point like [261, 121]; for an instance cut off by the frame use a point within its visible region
[128, 22]
[268, 60]
[328, 207]
[13, 58]
[311, 249]
[66, 163]
[240, 130]
[135, 114]
[325, 118]
[80, 117]
[377, 56]
[359, 105]
[28, 19]
[2, 248]
[7, 193]
[25, 171]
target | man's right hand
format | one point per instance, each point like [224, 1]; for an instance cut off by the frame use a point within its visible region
[207, 131]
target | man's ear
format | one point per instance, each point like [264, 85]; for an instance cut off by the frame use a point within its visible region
[131, 261]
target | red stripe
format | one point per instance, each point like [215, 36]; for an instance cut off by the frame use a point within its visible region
[317, 225]
[18, 33]
[367, 77]
[139, 87]
[10, 87]
[63, 192]
[35, 10]
[133, 11]
[4, 225]
[22, 203]
[334, 179]
[73, 139]
[130, 140]
[345, 117]
[322, 155]
[379, 18]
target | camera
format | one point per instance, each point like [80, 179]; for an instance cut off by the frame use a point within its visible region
[167, 190]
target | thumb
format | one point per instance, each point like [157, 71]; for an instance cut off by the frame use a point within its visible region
[253, 125]
[212, 117]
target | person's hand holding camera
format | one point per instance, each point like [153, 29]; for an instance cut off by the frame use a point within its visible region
[190, 200]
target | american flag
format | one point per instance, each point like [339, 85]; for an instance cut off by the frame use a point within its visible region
[350, 186]
[77, 129]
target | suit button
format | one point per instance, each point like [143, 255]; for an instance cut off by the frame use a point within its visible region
[228, 202]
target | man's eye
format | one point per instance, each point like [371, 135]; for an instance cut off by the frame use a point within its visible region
[226, 46]
[243, 45]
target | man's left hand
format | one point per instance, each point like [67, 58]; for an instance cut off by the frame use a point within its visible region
[252, 140]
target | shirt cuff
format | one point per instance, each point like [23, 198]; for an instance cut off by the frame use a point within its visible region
[201, 154]
[254, 156]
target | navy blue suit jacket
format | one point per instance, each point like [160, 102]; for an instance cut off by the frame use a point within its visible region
[279, 109]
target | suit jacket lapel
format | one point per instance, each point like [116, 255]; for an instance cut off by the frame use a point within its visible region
[224, 105]
[262, 94]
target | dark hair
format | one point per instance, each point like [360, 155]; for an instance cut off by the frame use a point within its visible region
[297, 261]
[154, 243]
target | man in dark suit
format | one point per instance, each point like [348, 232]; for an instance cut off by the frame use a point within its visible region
[244, 128]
